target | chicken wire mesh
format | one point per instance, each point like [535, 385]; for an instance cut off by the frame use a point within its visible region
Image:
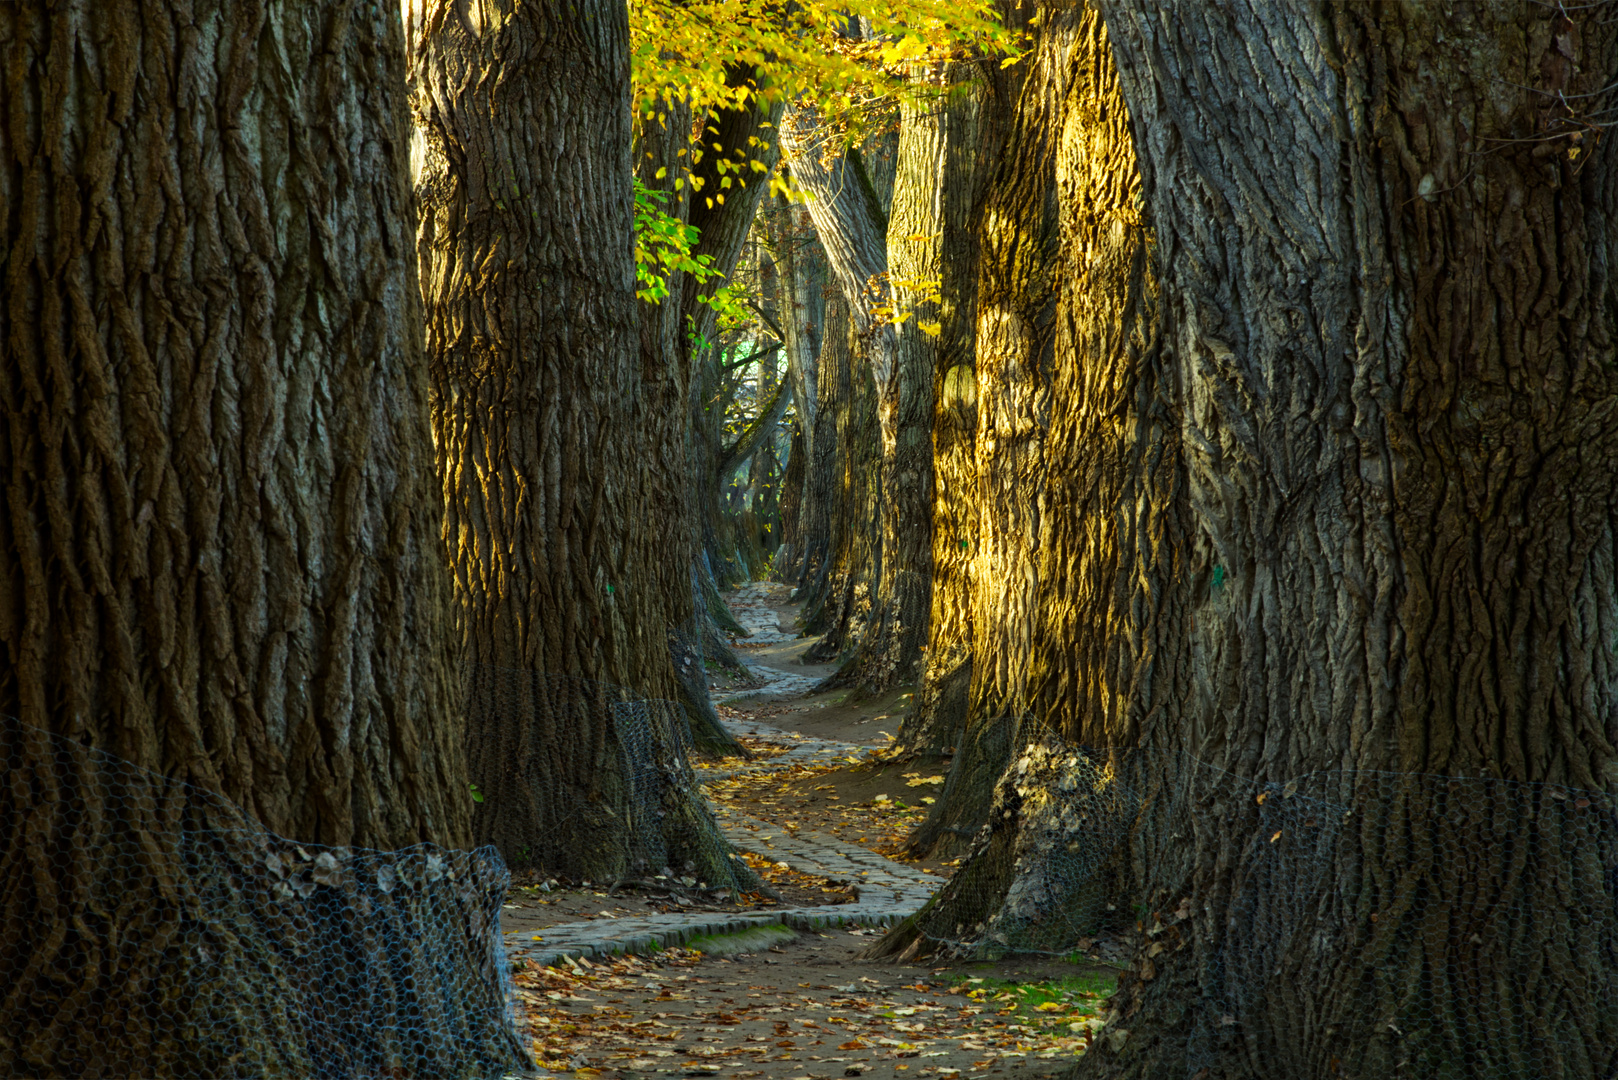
[1347, 922]
[154, 929]
[588, 780]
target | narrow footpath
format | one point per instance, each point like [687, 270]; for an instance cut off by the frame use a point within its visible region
[685, 984]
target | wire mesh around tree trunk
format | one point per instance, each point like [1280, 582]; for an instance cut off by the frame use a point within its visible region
[1367, 922]
[590, 781]
[154, 929]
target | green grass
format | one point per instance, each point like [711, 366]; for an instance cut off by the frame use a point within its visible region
[1082, 993]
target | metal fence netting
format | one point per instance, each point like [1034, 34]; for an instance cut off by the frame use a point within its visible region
[1430, 925]
[157, 930]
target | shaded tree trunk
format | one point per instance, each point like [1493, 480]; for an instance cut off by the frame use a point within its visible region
[788, 557]
[545, 418]
[1395, 379]
[220, 573]
[840, 611]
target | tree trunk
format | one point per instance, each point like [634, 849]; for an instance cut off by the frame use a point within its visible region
[1017, 289]
[788, 555]
[853, 563]
[985, 116]
[852, 225]
[667, 364]
[1396, 385]
[1346, 582]
[224, 604]
[802, 309]
[545, 419]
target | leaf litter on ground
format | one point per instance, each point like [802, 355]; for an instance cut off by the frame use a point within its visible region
[808, 1008]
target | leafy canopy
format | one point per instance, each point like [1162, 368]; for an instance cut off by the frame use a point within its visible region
[681, 49]
[848, 61]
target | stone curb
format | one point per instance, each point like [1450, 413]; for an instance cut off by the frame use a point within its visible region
[639, 940]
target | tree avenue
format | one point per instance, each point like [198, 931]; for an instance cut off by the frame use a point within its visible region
[1208, 413]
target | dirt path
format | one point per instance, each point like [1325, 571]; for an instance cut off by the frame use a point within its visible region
[808, 1008]
[777, 1004]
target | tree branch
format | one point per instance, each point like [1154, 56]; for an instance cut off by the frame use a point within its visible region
[753, 434]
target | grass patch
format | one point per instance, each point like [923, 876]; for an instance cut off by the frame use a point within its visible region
[753, 939]
[1044, 1004]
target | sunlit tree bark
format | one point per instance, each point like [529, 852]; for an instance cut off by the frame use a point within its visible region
[1018, 288]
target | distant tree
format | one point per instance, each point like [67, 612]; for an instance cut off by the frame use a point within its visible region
[219, 557]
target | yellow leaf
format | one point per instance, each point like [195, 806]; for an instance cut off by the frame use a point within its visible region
[661, 172]
[931, 329]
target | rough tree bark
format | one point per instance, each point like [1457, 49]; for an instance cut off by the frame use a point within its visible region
[541, 418]
[840, 610]
[1348, 586]
[984, 119]
[219, 557]
[1017, 291]
[1389, 338]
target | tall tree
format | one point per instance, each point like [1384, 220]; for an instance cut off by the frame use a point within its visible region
[984, 118]
[219, 558]
[544, 415]
[1338, 569]
[1009, 386]
[1390, 337]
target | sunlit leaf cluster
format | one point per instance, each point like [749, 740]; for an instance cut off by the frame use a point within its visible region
[828, 55]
